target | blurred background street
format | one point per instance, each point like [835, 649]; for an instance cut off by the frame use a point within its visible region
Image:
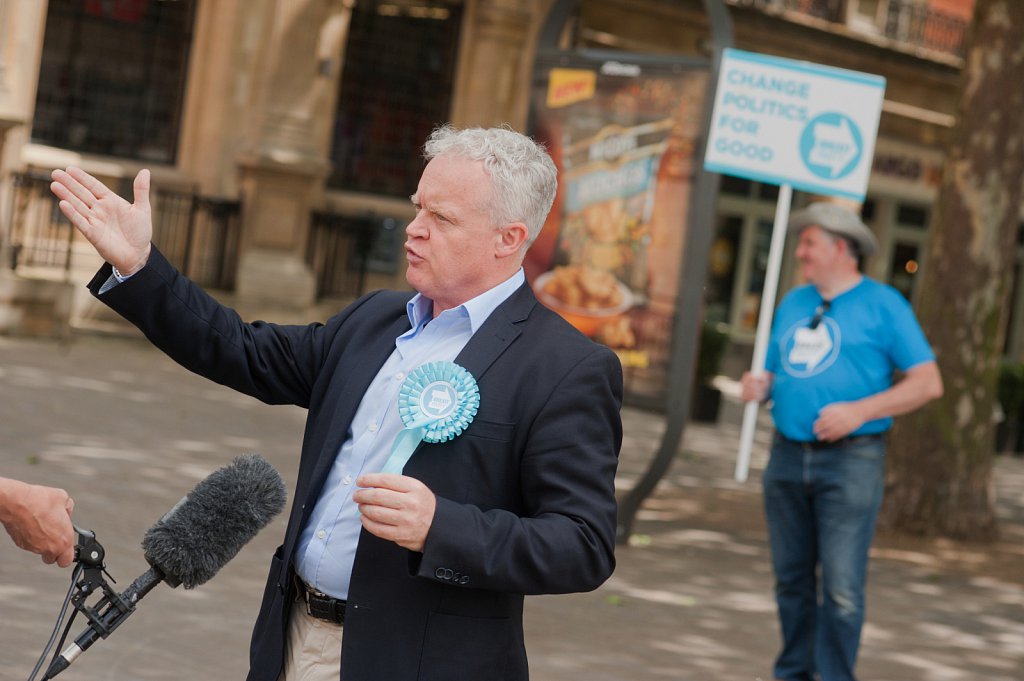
[128, 433]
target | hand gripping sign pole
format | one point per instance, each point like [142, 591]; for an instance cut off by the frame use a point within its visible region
[764, 326]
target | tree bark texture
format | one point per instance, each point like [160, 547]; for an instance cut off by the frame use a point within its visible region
[939, 479]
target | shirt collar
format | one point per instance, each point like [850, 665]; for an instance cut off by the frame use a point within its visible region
[420, 308]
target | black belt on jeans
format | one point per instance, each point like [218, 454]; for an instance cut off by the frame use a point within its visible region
[320, 605]
[848, 441]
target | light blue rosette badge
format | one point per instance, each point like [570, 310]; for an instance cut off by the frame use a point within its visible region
[437, 402]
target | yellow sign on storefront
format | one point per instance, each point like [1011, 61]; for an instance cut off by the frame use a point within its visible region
[568, 86]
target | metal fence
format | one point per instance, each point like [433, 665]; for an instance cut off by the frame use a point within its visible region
[198, 234]
[343, 248]
[40, 235]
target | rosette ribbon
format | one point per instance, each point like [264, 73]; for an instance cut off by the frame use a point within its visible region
[437, 401]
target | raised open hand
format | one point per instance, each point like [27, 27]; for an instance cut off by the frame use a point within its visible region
[120, 231]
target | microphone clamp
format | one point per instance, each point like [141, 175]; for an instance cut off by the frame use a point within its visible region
[107, 613]
[89, 553]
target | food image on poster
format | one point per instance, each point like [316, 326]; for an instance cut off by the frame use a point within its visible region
[609, 197]
[608, 257]
[592, 300]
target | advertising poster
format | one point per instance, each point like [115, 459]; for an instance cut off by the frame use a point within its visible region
[624, 139]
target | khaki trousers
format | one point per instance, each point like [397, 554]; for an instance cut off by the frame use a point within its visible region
[313, 652]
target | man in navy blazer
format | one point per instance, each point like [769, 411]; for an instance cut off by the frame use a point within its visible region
[419, 574]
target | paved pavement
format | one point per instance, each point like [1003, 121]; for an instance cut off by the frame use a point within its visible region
[128, 433]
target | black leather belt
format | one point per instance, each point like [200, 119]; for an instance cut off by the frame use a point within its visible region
[848, 441]
[320, 605]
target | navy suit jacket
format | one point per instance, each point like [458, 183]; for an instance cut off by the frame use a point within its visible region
[525, 495]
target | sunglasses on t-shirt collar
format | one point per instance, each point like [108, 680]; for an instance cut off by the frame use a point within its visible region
[819, 312]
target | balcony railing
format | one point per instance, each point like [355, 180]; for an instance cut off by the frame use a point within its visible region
[908, 22]
[920, 25]
[197, 234]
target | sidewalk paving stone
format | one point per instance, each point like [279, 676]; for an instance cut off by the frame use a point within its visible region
[127, 433]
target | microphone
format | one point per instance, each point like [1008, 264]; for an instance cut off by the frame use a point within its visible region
[193, 540]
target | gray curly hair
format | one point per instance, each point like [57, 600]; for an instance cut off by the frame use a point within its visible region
[522, 173]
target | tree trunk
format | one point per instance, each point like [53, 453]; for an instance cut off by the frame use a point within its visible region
[939, 479]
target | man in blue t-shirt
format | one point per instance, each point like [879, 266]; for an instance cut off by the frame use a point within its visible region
[835, 345]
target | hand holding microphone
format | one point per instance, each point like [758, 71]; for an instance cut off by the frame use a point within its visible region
[191, 542]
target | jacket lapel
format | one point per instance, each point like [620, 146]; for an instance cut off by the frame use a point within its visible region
[497, 333]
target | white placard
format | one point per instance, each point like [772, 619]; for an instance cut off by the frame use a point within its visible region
[782, 121]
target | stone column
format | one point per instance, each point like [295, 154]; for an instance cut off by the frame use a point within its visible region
[11, 110]
[496, 62]
[12, 113]
[27, 306]
[285, 157]
[21, 40]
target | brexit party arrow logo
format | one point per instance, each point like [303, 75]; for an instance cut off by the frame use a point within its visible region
[831, 145]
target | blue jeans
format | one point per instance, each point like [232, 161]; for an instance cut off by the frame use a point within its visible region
[821, 504]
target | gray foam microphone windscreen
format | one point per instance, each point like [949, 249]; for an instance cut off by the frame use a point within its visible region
[211, 524]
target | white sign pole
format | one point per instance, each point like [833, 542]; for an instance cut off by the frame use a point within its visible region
[764, 325]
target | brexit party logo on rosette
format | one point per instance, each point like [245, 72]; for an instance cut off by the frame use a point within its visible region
[436, 402]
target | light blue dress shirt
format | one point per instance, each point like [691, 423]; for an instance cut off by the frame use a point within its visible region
[327, 546]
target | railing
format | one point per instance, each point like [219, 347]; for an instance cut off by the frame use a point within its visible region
[338, 251]
[199, 235]
[920, 25]
[40, 235]
[912, 23]
[829, 10]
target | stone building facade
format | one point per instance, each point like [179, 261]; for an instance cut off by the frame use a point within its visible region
[283, 135]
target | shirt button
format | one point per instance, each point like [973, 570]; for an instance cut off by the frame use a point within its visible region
[321, 534]
[400, 375]
[372, 427]
[347, 480]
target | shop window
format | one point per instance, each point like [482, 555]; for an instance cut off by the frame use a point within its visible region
[396, 87]
[867, 210]
[906, 263]
[909, 245]
[740, 251]
[756, 279]
[112, 77]
[735, 186]
[738, 186]
[908, 215]
[768, 192]
[722, 269]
